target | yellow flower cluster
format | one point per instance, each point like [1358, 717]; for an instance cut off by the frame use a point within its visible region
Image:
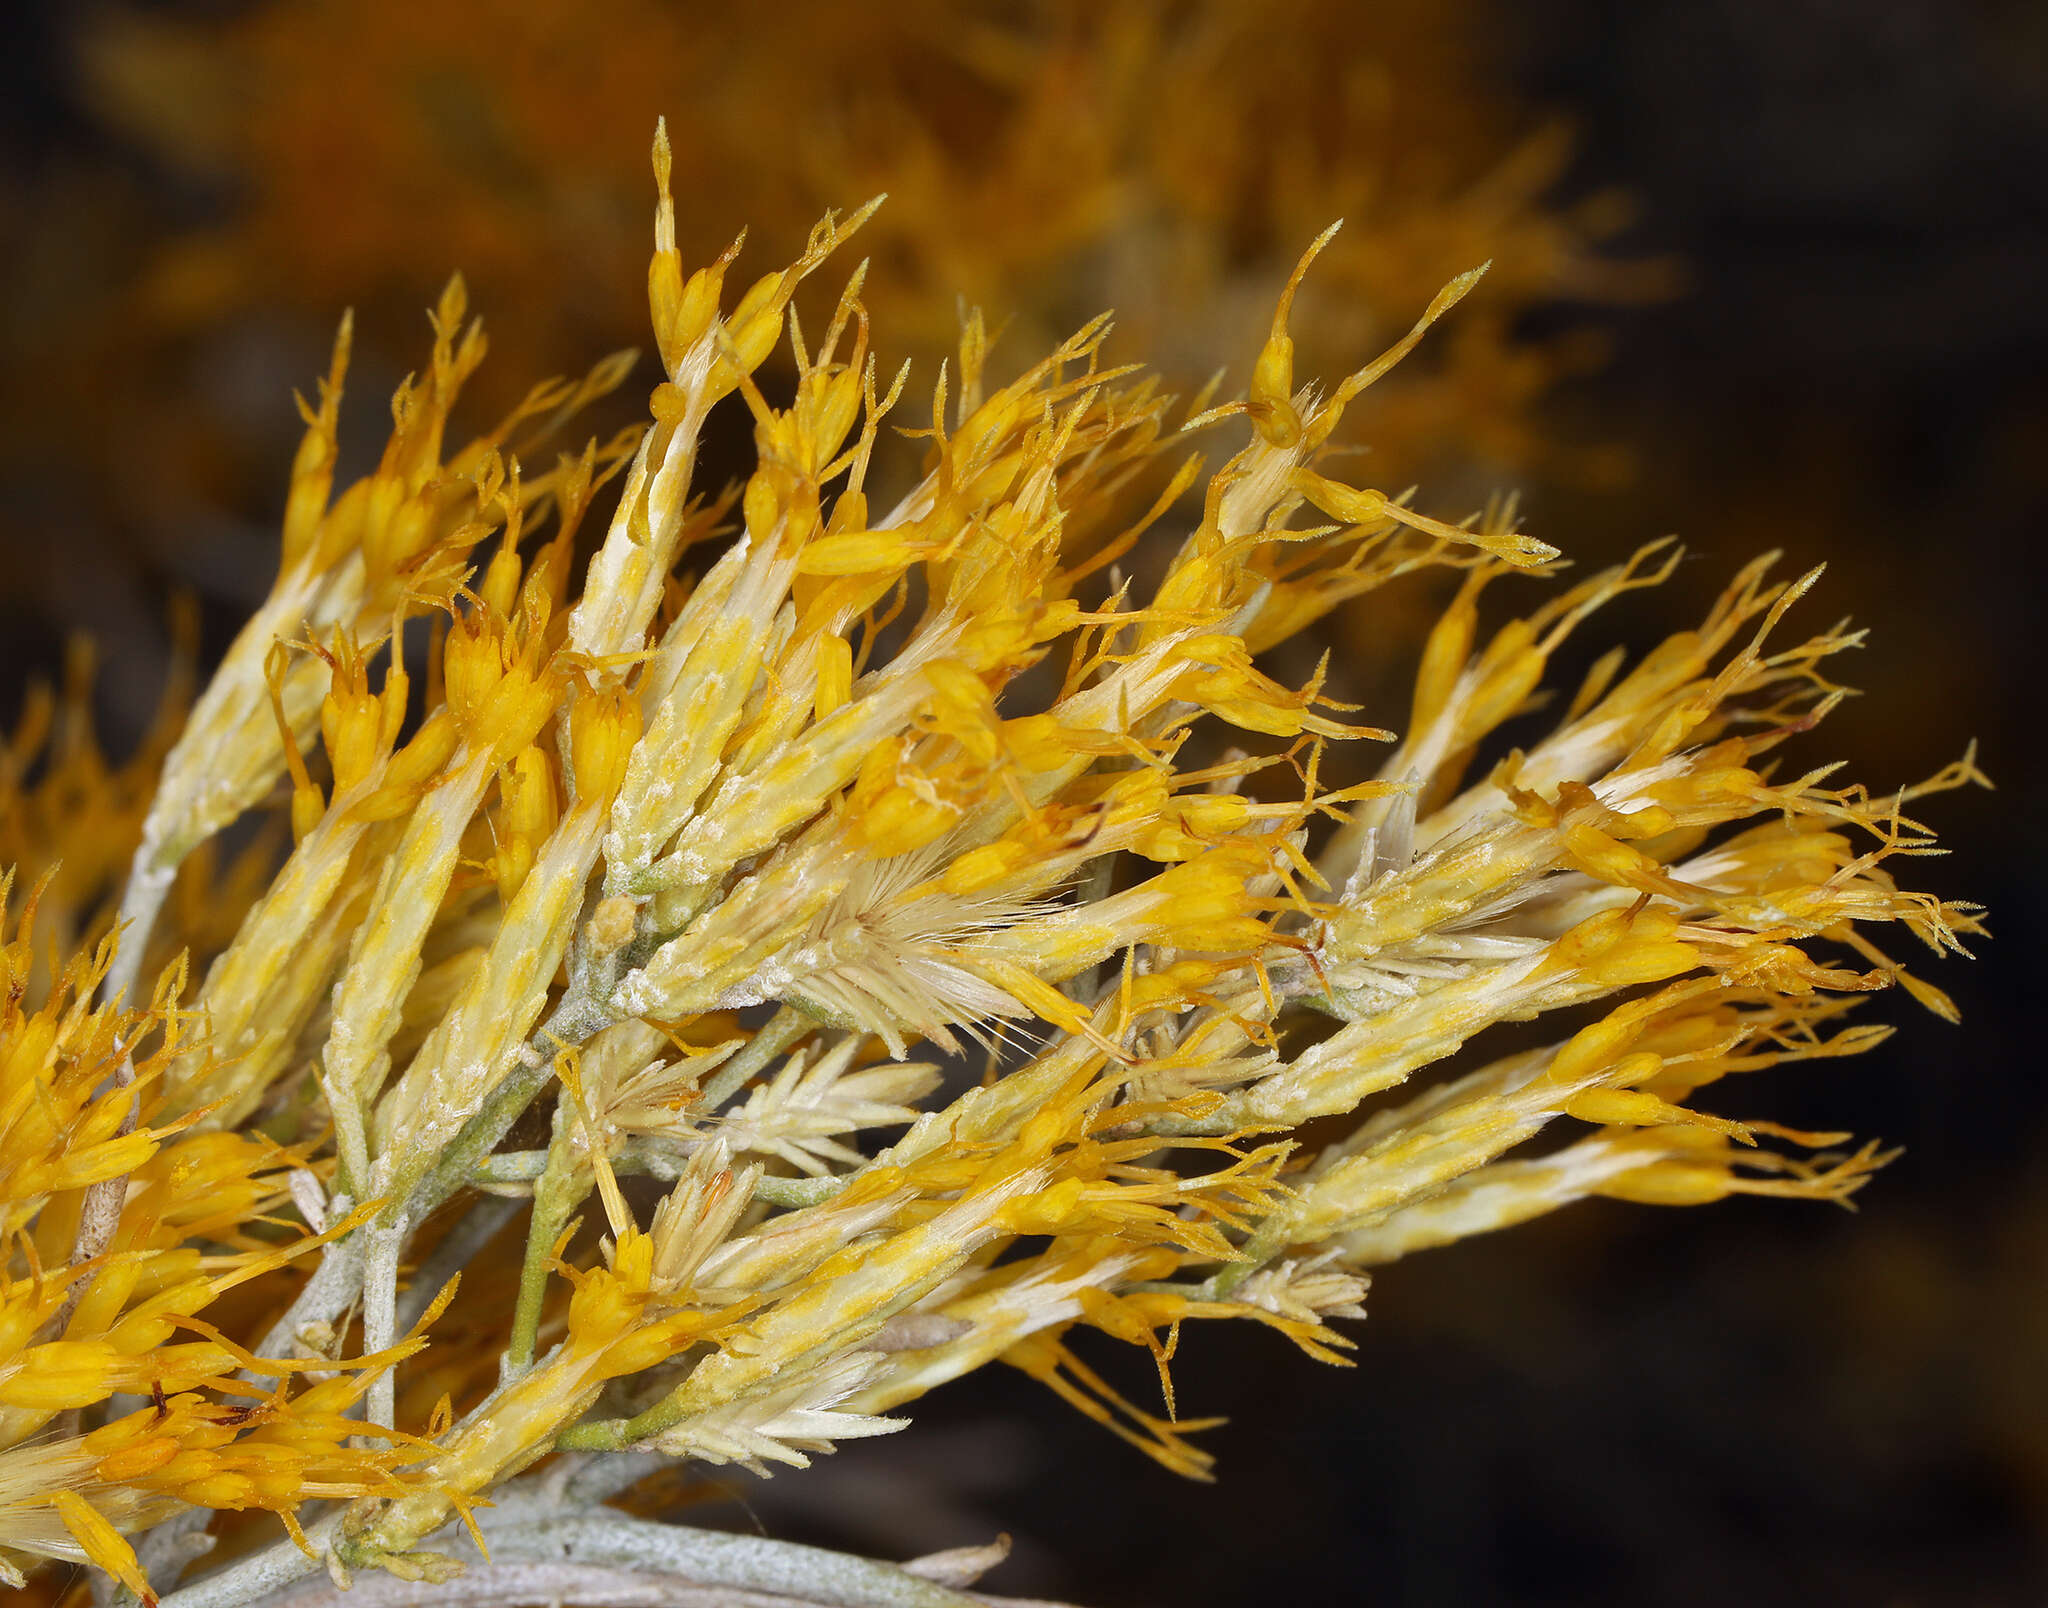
[183, 1416]
[634, 899]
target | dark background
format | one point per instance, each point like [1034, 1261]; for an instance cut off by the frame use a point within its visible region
[1759, 1402]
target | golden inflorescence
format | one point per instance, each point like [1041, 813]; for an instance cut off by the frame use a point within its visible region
[636, 899]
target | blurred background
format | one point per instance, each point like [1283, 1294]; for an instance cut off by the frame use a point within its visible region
[1766, 274]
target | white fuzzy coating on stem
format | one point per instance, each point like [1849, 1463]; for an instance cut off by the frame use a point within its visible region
[601, 1558]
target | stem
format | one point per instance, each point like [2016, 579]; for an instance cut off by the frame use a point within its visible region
[744, 1561]
[572, 1585]
[165, 1551]
[558, 1193]
[508, 1169]
[618, 1434]
[331, 1290]
[351, 1139]
[591, 1479]
[256, 1577]
[150, 876]
[800, 1191]
[781, 1030]
[1267, 1242]
[577, 1019]
[339, 1279]
[380, 1311]
[99, 1214]
[561, 1585]
[707, 1558]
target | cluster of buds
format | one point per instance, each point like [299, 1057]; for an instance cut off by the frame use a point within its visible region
[928, 931]
[124, 1402]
